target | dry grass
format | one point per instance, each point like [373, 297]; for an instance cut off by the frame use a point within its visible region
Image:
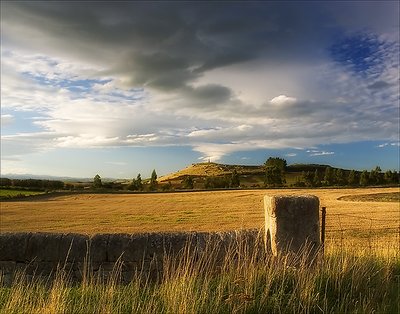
[360, 273]
[245, 281]
[200, 211]
[367, 224]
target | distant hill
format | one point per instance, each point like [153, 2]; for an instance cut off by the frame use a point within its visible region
[212, 169]
[250, 176]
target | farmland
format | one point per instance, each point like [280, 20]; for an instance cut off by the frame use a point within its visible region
[12, 193]
[339, 286]
[194, 211]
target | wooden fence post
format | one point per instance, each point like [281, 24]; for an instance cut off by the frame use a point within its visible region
[323, 230]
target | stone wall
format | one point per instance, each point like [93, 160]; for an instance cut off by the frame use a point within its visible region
[40, 254]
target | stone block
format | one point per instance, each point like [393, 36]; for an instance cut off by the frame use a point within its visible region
[98, 248]
[292, 222]
[13, 246]
[73, 247]
[118, 246]
[43, 247]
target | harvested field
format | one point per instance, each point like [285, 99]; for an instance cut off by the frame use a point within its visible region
[199, 211]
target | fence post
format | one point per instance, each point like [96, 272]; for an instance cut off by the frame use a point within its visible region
[323, 230]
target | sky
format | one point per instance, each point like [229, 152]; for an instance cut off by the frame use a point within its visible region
[119, 88]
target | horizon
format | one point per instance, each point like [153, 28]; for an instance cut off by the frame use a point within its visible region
[118, 89]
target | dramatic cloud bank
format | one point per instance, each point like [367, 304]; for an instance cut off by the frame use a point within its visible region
[217, 77]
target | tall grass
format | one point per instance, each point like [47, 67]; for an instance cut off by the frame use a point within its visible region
[241, 280]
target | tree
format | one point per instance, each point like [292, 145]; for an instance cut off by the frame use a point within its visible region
[339, 177]
[188, 182]
[276, 162]
[139, 183]
[273, 177]
[364, 178]
[307, 178]
[235, 179]
[97, 182]
[352, 179]
[316, 179]
[375, 176]
[153, 180]
[329, 176]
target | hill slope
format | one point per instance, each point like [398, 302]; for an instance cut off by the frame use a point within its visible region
[212, 169]
[250, 175]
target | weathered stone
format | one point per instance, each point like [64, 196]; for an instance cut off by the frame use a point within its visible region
[7, 268]
[292, 222]
[98, 248]
[43, 247]
[13, 246]
[118, 247]
[73, 247]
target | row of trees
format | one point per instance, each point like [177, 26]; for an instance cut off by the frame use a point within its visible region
[339, 177]
[275, 173]
[32, 183]
[137, 184]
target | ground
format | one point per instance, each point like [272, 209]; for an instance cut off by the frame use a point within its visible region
[195, 211]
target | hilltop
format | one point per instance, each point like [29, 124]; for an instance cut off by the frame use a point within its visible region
[212, 169]
[250, 176]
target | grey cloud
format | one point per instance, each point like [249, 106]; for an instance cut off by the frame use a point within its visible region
[170, 46]
[379, 85]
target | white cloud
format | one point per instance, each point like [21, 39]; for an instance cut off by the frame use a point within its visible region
[283, 100]
[202, 89]
[291, 155]
[388, 144]
[319, 153]
[6, 119]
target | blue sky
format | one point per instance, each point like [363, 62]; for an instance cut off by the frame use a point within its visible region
[120, 88]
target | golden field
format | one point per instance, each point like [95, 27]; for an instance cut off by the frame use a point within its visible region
[192, 211]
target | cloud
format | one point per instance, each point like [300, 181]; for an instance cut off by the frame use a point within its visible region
[388, 144]
[319, 153]
[283, 100]
[291, 155]
[6, 119]
[219, 78]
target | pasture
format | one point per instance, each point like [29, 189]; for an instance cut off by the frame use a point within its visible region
[198, 211]
[12, 193]
[351, 279]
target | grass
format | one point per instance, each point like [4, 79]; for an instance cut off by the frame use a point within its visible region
[359, 274]
[197, 211]
[377, 197]
[245, 281]
[15, 193]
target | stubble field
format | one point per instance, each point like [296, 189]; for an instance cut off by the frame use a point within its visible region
[197, 211]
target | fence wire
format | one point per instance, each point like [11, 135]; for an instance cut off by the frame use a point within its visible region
[376, 235]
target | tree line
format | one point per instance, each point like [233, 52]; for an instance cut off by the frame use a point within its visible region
[275, 176]
[32, 183]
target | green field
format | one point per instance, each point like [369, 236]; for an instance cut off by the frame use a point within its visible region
[6, 193]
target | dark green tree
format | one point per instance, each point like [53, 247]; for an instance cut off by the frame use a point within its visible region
[353, 178]
[276, 162]
[235, 179]
[375, 176]
[329, 176]
[340, 177]
[307, 178]
[364, 178]
[273, 177]
[153, 181]
[188, 182]
[97, 182]
[316, 179]
[139, 183]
